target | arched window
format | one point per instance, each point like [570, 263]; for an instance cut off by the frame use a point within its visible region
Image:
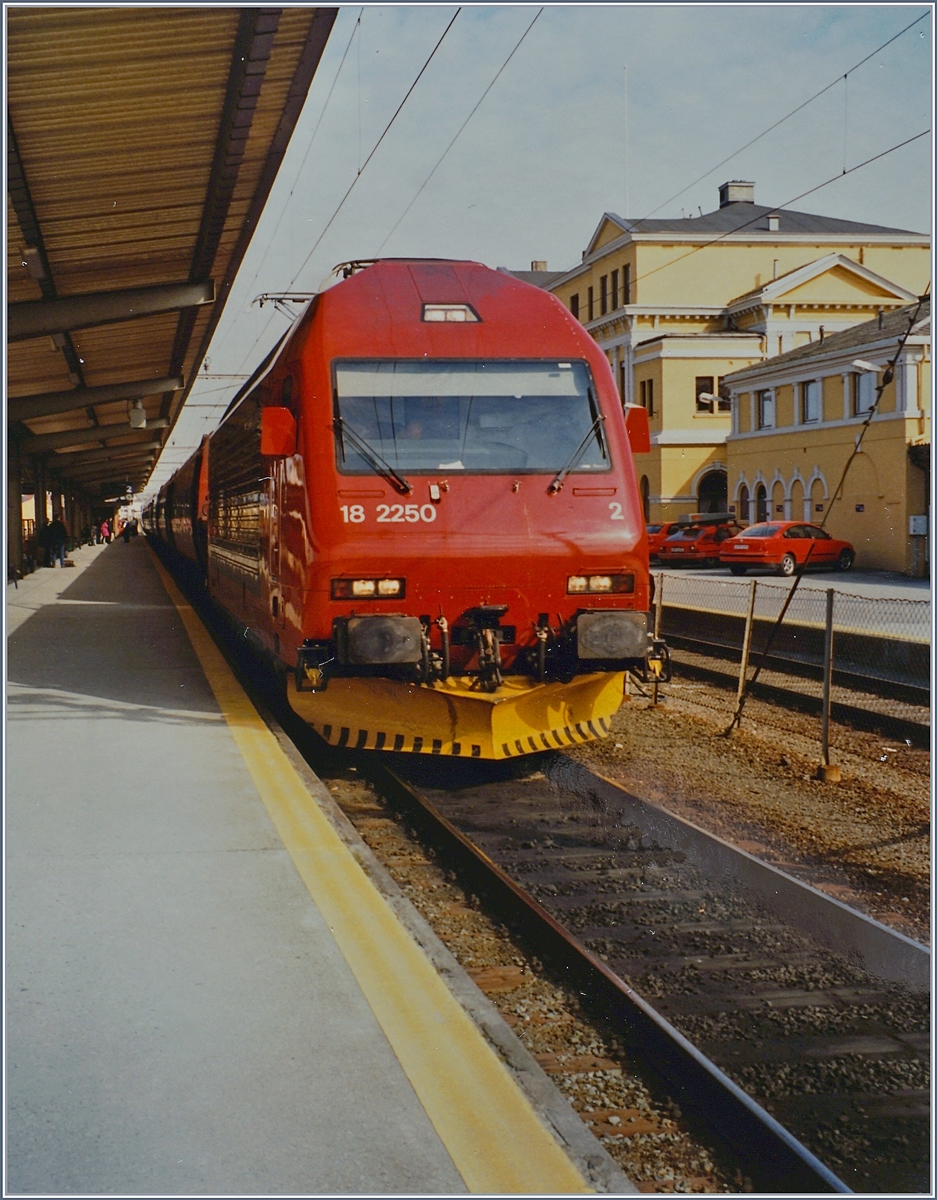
[744, 505]
[761, 503]
[646, 498]
[713, 494]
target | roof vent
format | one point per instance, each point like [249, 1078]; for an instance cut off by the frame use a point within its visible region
[774, 222]
[736, 191]
[539, 264]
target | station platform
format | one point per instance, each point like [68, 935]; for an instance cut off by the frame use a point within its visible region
[206, 993]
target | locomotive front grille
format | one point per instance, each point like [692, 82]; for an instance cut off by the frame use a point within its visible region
[377, 640]
[611, 635]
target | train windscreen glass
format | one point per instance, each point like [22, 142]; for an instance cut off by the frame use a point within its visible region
[429, 416]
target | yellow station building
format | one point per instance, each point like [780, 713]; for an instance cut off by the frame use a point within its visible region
[795, 421]
[678, 305]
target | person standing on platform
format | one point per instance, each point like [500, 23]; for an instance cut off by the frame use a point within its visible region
[105, 532]
[58, 535]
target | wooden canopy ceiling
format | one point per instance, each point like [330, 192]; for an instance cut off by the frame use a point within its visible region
[142, 146]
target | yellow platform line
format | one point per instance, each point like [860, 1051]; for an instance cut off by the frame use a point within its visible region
[487, 1125]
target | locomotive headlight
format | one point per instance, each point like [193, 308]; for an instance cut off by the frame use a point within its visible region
[599, 585]
[367, 589]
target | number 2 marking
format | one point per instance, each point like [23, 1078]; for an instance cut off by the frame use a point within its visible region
[617, 514]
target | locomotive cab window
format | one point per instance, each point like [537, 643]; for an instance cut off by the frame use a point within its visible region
[477, 417]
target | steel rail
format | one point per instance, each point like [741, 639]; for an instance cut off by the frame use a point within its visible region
[803, 668]
[775, 1159]
[857, 717]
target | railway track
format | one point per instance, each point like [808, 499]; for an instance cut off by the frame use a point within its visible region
[893, 711]
[810, 1062]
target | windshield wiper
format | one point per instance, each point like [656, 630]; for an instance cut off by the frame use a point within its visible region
[574, 457]
[367, 452]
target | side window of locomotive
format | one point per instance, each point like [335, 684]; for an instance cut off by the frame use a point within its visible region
[236, 491]
[490, 416]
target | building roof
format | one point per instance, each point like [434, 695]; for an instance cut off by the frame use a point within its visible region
[699, 336]
[540, 279]
[742, 215]
[889, 327]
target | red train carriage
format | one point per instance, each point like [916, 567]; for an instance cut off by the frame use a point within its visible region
[424, 508]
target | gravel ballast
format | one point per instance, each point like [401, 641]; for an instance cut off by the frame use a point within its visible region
[865, 840]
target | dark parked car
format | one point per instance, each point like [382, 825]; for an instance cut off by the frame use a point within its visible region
[698, 539]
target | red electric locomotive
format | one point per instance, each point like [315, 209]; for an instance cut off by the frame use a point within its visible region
[423, 506]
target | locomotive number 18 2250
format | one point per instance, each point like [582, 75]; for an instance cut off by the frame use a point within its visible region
[395, 513]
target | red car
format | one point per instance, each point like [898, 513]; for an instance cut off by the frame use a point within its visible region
[698, 539]
[656, 534]
[788, 546]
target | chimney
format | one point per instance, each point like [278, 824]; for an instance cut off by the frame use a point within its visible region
[736, 191]
[539, 264]
[774, 222]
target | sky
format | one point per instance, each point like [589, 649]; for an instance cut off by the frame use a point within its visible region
[561, 138]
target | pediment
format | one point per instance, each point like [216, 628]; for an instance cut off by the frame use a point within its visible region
[608, 229]
[840, 285]
[832, 279]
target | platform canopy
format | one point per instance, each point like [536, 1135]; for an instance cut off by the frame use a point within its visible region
[142, 146]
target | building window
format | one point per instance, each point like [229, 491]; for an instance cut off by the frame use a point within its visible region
[626, 284]
[574, 305]
[705, 398]
[590, 303]
[761, 503]
[724, 403]
[646, 497]
[863, 393]
[810, 400]
[614, 290]
[603, 295]
[766, 410]
[646, 394]
[744, 505]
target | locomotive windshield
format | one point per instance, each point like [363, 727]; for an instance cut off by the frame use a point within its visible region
[468, 416]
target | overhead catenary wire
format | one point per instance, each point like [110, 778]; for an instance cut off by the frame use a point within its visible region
[478, 105]
[787, 203]
[781, 121]
[887, 376]
[356, 31]
[374, 149]
[302, 165]
[360, 172]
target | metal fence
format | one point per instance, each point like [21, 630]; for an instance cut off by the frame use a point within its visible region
[880, 646]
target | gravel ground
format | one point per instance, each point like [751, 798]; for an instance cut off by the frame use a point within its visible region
[640, 1126]
[865, 840]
